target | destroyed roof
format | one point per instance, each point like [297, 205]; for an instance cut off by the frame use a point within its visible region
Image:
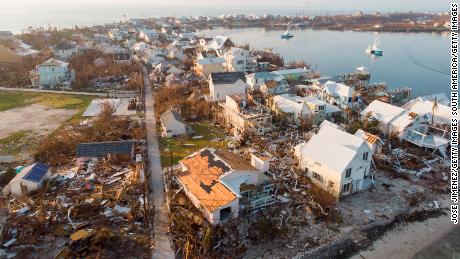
[35, 172]
[368, 137]
[100, 149]
[288, 104]
[227, 77]
[202, 177]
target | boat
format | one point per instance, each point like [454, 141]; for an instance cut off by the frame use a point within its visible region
[286, 35]
[375, 49]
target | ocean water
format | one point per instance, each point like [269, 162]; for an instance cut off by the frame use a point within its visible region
[417, 60]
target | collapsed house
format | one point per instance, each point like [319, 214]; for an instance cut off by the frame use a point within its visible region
[295, 108]
[414, 125]
[342, 174]
[220, 184]
[243, 115]
[122, 150]
[31, 178]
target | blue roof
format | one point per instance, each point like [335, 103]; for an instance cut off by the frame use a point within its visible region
[36, 173]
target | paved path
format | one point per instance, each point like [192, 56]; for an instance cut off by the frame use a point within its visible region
[162, 249]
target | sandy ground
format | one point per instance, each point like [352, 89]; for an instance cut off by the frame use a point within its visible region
[407, 240]
[37, 118]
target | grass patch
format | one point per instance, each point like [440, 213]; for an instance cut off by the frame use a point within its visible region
[12, 99]
[184, 146]
[12, 145]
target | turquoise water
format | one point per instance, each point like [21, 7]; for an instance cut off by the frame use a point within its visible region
[418, 60]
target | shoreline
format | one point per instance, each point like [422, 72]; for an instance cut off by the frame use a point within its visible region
[408, 240]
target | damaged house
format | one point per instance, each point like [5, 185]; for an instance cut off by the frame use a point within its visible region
[415, 123]
[29, 179]
[123, 150]
[293, 108]
[244, 115]
[217, 181]
[342, 174]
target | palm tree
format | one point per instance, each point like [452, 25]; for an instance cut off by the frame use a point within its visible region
[434, 108]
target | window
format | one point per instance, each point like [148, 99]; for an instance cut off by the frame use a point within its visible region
[346, 188]
[365, 156]
[348, 173]
[349, 99]
[317, 176]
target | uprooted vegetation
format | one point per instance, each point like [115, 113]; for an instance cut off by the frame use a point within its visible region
[86, 70]
[192, 108]
[60, 147]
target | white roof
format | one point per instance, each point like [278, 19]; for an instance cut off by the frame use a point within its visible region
[290, 104]
[383, 112]
[440, 97]
[339, 89]
[334, 134]
[217, 42]
[326, 153]
[331, 147]
[441, 115]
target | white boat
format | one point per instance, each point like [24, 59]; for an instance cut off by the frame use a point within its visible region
[287, 34]
[375, 48]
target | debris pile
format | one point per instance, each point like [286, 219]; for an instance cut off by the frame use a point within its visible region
[97, 210]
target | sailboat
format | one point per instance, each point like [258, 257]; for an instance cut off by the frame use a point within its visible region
[375, 48]
[287, 34]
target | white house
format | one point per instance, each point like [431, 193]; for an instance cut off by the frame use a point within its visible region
[238, 59]
[219, 44]
[339, 94]
[255, 80]
[52, 72]
[423, 106]
[335, 160]
[274, 87]
[173, 124]
[393, 119]
[228, 83]
[213, 181]
[206, 64]
[65, 50]
[147, 35]
[31, 178]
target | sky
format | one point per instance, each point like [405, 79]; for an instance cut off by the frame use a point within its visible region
[325, 5]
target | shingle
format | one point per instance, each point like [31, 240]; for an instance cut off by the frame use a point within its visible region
[100, 149]
[227, 77]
